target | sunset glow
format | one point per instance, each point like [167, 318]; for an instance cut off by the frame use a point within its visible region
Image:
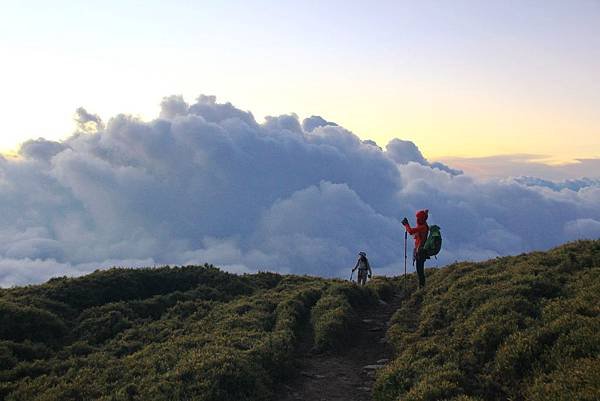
[470, 79]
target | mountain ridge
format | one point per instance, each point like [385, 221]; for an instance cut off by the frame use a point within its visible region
[521, 327]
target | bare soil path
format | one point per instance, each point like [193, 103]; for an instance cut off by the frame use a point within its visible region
[347, 375]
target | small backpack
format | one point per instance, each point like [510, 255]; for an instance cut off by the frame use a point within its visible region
[433, 244]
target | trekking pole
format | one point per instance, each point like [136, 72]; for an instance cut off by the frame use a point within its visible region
[405, 240]
[351, 275]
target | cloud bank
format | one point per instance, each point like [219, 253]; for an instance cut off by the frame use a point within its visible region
[205, 182]
[526, 165]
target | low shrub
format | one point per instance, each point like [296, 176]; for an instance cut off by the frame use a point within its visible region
[334, 315]
[22, 322]
[523, 327]
[577, 379]
[202, 343]
[385, 288]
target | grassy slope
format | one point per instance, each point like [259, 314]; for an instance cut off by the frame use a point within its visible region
[524, 327]
[165, 334]
[517, 328]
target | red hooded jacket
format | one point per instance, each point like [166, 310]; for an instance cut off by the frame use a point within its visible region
[421, 230]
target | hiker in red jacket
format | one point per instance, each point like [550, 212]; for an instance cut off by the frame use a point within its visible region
[420, 234]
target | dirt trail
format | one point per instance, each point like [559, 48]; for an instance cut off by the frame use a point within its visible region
[349, 375]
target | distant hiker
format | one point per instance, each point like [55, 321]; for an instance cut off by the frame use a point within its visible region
[419, 232]
[364, 269]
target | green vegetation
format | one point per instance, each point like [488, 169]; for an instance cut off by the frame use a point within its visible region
[514, 328]
[333, 316]
[519, 328]
[164, 334]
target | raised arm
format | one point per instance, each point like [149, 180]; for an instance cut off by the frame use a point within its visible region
[414, 230]
[410, 230]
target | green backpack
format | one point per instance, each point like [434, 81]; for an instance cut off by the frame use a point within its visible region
[433, 244]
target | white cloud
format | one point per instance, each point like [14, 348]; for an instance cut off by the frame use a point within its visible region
[403, 152]
[206, 183]
[531, 165]
[582, 228]
[87, 122]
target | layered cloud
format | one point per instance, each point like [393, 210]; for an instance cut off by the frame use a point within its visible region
[526, 165]
[205, 182]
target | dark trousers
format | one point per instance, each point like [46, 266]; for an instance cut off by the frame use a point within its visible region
[362, 276]
[419, 259]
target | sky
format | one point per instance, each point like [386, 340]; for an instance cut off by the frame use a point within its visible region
[268, 135]
[462, 79]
